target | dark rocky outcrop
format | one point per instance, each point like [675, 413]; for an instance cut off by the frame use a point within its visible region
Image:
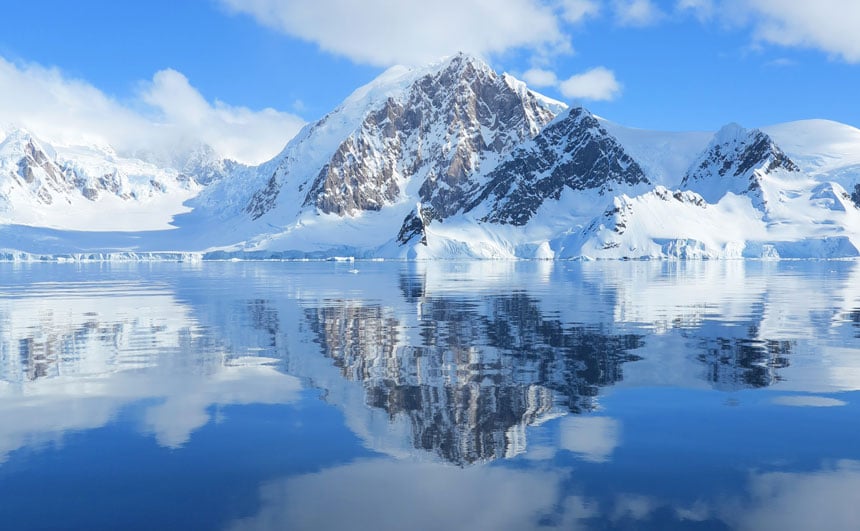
[574, 152]
[441, 130]
[734, 162]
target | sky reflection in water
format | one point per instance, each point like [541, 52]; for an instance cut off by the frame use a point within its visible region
[501, 395]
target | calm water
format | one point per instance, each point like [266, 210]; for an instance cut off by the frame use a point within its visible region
[716, 395]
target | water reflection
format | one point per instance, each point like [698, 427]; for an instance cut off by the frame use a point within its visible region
[737, 363]
[477, 371]
[72, 356]
[565, 394]
[385, 495]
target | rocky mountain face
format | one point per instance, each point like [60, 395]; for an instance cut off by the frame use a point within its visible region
[456, 161]
[736, 161]
[425, 142]
[33, 172]
[27, 166]
[574, 152]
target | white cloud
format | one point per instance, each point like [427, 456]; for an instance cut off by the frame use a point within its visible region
[598, 84]
[538, 77]
[634, 506]
[823, 499]
[382, 32]
[574, 11]
[97, 380]
[828, 25]
[237, 132]
[636, 12]
[808, 401]
[167, 116]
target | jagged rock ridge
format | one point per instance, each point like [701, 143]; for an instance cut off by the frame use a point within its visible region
[735, 161]
[574, 152]
[440, 130]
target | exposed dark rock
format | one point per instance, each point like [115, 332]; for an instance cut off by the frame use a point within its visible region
[474, 376]
[414, 225]
[440, 130]
[36, 168]
[264, 199]
[574, 152]
[734, 162]
[741, 363]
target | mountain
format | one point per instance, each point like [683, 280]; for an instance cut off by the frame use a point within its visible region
[737, 161]
[452, 160]
[435, 134]
[85, 188]
[412, 136]
[575, 152]
[742, 197]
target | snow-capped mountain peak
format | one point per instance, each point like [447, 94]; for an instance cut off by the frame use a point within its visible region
[452, 160]
[735, 161]
[574, 152]
[82, 187]
[30, 166]
[421, 134]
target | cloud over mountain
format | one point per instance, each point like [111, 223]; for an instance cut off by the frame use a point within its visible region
[166, 116]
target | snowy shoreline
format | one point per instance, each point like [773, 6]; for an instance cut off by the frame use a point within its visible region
[20, 257]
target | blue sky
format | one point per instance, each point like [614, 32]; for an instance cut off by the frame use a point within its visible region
[231, 69]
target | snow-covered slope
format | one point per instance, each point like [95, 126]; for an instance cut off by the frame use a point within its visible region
[573, 153]
[665, 156]
[452, 160]
[411, 136]
[85, 188]
[743, 197]
[826, 150]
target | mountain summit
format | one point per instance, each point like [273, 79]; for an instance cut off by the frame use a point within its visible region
[453, 160]
[425, 139]
[736, 161]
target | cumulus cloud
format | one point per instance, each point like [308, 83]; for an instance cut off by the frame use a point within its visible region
[823, 499]
[825, 25]
[538, 77]
[597, 84]
[381, 32]
[828, 25]
[388, 495]
[237, 132]
[168, 115]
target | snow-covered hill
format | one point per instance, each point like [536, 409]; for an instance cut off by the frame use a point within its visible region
[452, 160]
[86, 188]
[742, 197]
[354, 178]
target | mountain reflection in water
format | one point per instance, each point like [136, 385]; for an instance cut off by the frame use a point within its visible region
[518, 373]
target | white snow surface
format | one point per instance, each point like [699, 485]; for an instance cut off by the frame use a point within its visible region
[822, 148]
[664, 155]
[124, 194]
[153, 213]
